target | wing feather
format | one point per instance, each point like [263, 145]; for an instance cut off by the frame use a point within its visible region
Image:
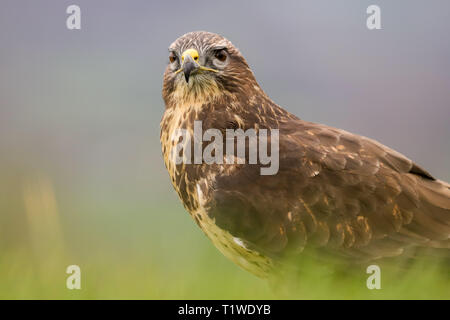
[336, 190]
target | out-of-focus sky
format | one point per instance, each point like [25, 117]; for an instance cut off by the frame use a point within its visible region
[82, 107]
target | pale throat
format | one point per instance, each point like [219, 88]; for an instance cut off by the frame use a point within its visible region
[199, 91]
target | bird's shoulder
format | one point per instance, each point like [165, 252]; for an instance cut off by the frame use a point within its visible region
[333, 189]
[340, 150]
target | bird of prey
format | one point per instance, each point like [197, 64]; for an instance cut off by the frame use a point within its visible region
[342, 194]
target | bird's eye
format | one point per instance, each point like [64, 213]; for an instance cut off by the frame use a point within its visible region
[172, 57]
[221, 55]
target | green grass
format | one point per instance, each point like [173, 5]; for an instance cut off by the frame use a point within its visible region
[196, 271]
[209, 276]
[129, 249]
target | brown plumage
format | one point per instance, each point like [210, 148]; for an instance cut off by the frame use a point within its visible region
[342, 194]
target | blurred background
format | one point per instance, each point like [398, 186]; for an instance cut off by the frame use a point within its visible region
[82, 179]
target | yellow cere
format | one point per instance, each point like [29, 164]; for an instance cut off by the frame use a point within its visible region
[192, 52]
[195, 56]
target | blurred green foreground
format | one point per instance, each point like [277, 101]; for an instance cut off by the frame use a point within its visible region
[131, 250]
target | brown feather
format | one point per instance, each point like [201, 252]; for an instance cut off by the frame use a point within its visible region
[334, 191]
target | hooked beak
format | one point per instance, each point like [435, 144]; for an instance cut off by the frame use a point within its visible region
[190, 62]
[189, 66]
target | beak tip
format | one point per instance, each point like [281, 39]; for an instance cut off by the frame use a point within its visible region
[188, 67]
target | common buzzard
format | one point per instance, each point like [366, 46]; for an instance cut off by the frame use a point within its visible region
[342, 194]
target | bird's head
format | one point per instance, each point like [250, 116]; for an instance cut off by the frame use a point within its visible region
[204, 66]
